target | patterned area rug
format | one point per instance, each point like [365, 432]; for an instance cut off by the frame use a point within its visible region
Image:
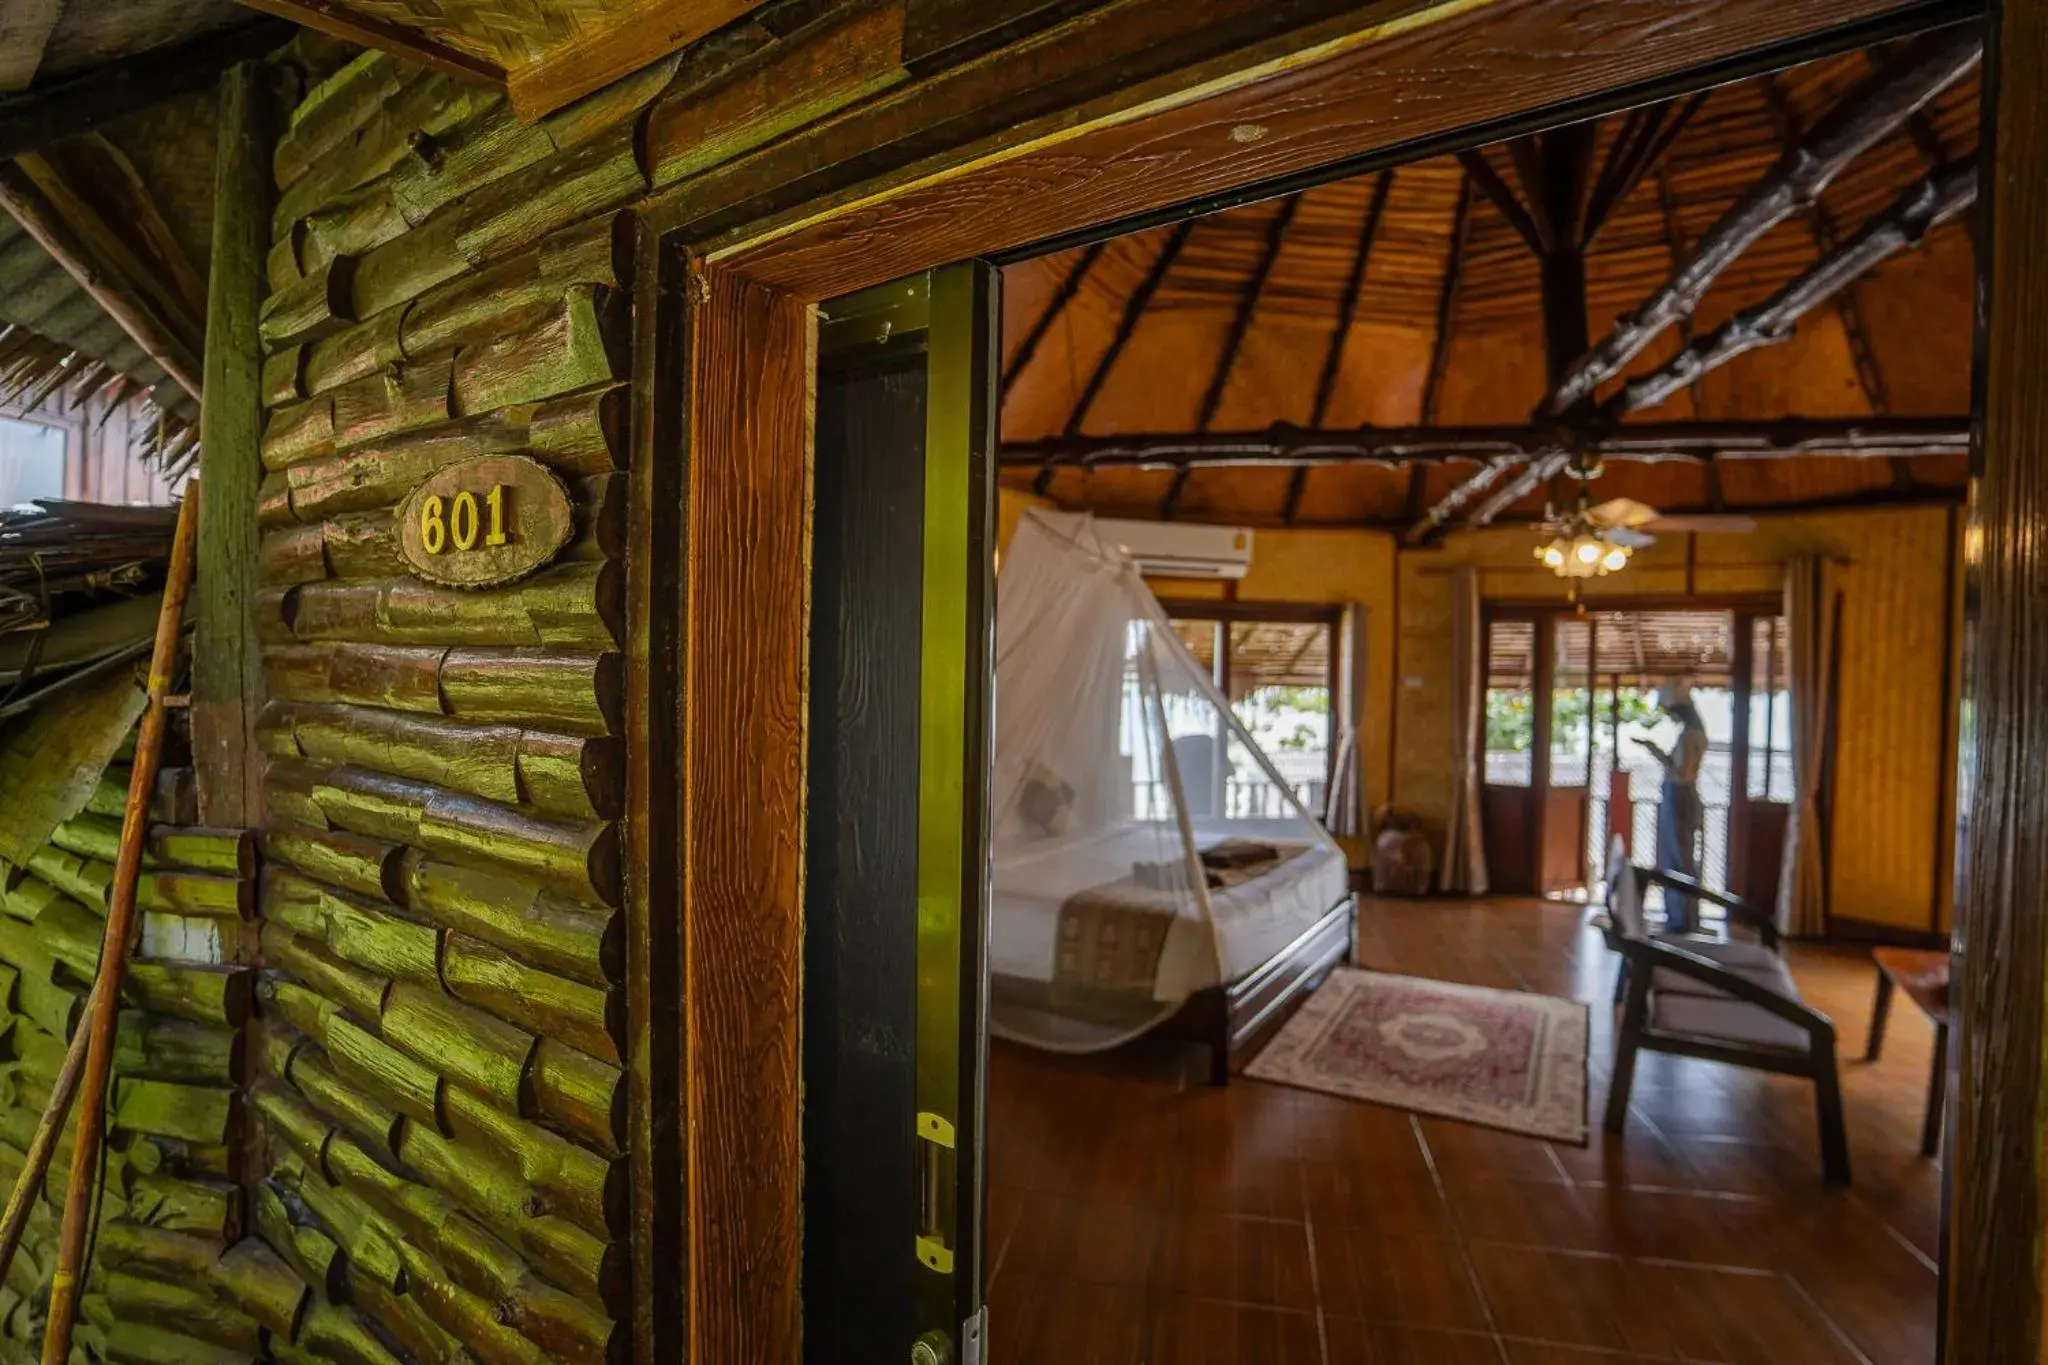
[1507, 1059]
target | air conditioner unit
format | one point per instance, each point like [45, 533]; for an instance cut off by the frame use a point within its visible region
[1176, 549]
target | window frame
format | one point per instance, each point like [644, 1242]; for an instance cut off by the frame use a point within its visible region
[1226, 612]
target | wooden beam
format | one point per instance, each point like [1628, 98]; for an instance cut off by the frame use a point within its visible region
[1621, 175]
[78, 104]
[1993, 1158]
[1820, 222]
[1926, 137]
[135, 315]
[339, 21]
[1447, 301]
[1917, 211]
[227, 662]
[1674, 245]
[1233, 341]
[1070, 286]
[1479, 171]
[91, 185]
[1290, 446]
[1340, 335]
[1867, 115]
[1134, 310]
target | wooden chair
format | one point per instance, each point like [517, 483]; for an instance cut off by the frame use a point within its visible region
[1720, 1000]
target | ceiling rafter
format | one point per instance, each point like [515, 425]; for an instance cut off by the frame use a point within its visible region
[1340, 335]
[1920, 208]
[1480, 172]
[1134, 312]
[1055, 308]
[1868, 114]
[1845, 132]
[400, 40]
[1674, 245]
[1240, 327]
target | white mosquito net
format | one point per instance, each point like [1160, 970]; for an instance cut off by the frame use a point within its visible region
[1144, 847]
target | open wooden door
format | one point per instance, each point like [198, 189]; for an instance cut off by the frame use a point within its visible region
[896, 895]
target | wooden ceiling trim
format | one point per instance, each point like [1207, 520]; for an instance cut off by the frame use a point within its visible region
[339, 21]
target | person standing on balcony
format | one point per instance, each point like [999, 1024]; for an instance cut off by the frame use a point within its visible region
[1681, 817]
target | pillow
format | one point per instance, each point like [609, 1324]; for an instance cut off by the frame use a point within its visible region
[1047, 803]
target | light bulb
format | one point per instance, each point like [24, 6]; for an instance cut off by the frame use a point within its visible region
[1588, 551]
[1552, 556]
[1616, 558]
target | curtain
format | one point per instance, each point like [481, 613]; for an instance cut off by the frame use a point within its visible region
[1343, 815]
[1811, 609]
[1464, 849]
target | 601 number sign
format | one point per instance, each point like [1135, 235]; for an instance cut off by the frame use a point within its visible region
[483, 522]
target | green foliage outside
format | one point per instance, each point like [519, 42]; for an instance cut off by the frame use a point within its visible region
[1511, 715]
[1265, 708]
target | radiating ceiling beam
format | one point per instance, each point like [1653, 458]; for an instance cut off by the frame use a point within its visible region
[77, 104]
[1693, 441]
[1872, 111]
[1134, 312]
[1240, 328]
[133, 312]
[1922, 207]
[1480, 172]
[1876, 108]
[1340, 335]
[1069, 287]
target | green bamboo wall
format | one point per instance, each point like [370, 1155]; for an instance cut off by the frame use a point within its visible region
[439, 1042]
[170, 1204]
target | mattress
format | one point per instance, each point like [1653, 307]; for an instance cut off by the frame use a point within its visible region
[1252, 920]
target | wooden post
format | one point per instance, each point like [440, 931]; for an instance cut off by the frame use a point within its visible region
[1993, 1295]
[81, 1190]
[227, 672]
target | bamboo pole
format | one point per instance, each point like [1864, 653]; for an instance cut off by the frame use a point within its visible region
[100, 1025]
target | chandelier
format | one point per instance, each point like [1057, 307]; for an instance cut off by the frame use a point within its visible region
[1578, 545]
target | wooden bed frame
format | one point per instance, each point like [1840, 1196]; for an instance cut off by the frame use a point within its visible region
[1231, 1017]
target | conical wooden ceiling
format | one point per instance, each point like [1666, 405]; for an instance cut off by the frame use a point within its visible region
[1228, 324]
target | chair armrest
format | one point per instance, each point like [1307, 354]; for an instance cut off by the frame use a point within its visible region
[1652, 954]
[1737, 908]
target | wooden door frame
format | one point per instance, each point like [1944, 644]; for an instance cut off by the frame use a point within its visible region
[1370, 90]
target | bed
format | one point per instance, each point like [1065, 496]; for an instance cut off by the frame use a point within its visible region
[1096, 939]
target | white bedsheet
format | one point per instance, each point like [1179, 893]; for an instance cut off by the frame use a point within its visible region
[1253, 920]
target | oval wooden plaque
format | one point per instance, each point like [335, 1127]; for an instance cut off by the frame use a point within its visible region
[484, 522]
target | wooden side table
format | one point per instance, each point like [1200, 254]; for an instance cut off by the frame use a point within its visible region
[1923, 976]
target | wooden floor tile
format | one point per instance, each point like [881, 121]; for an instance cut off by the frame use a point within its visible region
[1202, 1332]
[1257, 1261]
[1139, 1217]
[1362, 1343]
[1396, 1281]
